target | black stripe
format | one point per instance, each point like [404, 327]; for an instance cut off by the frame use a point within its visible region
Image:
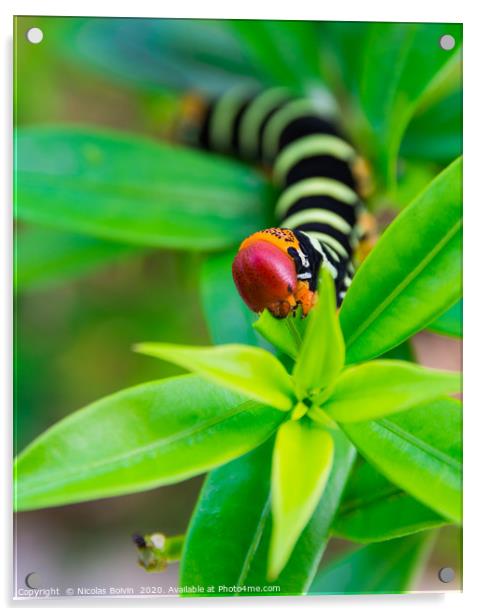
[314, 257]
[235, 135]
[204, 136]
[339, 288]
[322, 202]
[315, 260]
[304, 126]
[321, 166]
[339, 266]
[342, 238]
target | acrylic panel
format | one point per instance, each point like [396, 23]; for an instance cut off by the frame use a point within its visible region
[238, 307]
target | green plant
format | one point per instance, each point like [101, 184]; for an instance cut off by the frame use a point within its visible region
[308, 431]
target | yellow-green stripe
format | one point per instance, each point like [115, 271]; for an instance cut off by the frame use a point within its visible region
[223, 116]
[314, 187]
[287, 114]
[317, 215]
[329, 250]
[312, 145]
[254, 116]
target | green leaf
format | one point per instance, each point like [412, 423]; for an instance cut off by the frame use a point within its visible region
[450, 323]
[227, 523]
[411, 276]
[401, 62]
[229, 534]
[138, 439]
[284, 334]
[227, 316]
[249, 370]
[402, 352]
[302, 461]
[447, 82]
[287, 51]
[420, 451]
[387, 567]
[374, 509]
[131, 189]
[436, 134]
[321, 356]
[44, 257]
[382, 387]
[299, 571]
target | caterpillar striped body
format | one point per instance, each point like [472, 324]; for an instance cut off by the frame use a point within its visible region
[319, 209]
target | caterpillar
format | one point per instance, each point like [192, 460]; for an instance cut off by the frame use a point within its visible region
[321, 179]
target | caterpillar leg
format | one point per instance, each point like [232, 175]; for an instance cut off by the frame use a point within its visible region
[305, 297]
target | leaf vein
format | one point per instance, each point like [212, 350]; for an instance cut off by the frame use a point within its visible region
[405, 282]
[105, 465]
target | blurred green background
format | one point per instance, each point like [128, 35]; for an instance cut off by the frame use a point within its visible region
[73, 338]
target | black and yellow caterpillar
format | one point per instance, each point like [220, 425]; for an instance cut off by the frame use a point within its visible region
[322, 181]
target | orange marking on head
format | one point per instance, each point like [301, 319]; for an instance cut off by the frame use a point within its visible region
[281, 238]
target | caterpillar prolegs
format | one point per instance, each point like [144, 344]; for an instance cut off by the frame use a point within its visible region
[321, 182]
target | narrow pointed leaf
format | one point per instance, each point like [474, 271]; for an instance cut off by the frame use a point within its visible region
[227, 524]
[420, 451]
[387, 567]
[132, 189]
[301, 567]
[321, 356]
[374, 509]
[249, 370]
[285, 334]
[382, 387]
[137, 439]
[302, 460]
[412, 275]
[229, 534]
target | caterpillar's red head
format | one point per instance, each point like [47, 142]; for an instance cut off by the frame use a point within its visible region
[265, 273]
